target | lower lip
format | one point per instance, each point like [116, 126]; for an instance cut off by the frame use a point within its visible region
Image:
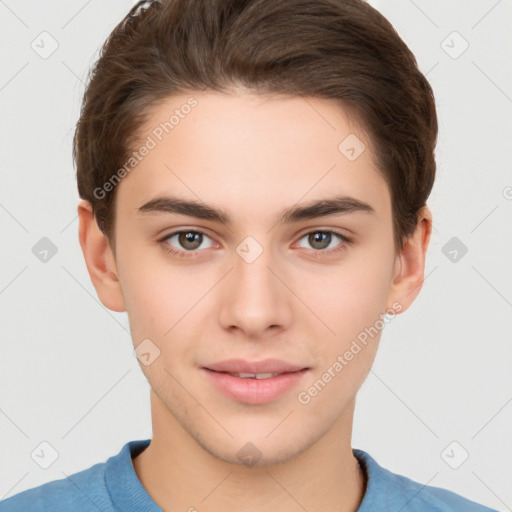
[254, 391]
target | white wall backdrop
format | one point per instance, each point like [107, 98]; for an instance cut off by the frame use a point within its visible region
[437, 405]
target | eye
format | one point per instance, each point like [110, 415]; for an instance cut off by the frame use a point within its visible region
[186, 241]
[321, 240]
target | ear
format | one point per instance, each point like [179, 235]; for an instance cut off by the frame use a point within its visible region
[99, 259]
[409, 269]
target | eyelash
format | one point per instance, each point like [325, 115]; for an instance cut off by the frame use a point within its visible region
[189, 254]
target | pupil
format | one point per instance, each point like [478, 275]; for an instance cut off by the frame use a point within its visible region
[320, 236]
[190, 238]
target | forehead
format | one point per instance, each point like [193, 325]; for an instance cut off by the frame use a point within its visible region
[247, 152]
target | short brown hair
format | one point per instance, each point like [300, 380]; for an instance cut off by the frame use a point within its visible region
[343, 50]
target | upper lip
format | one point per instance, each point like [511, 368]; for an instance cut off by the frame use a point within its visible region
[264, 366]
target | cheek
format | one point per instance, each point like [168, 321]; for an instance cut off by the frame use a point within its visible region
[151, 296]
[162, 304]
[353, 308]
[350, 296]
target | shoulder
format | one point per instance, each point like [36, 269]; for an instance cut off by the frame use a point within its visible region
[387, 490]
[84, 490]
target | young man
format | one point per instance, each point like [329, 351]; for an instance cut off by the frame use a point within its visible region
[254, 177]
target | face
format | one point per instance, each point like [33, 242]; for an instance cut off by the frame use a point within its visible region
[258, 271]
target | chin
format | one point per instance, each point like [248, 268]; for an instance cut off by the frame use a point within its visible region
[256, 449]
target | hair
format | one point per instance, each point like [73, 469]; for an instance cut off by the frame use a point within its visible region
[342, 50]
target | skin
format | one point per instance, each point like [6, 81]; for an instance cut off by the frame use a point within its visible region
[253, 156]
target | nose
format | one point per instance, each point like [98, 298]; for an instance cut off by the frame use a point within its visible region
[255, 297]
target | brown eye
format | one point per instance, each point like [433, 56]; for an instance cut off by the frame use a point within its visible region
[190, 240]
[319, 239]
[322, 240]
[187, 241]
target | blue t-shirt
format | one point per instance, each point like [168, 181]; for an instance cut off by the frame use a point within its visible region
[113, 486]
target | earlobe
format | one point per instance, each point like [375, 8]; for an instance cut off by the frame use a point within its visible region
[99, 259]
[409, 270]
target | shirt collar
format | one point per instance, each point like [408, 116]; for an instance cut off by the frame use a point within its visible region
[126, 490]
[129, 495]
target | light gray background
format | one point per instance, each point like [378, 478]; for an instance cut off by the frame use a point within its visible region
[442, 373]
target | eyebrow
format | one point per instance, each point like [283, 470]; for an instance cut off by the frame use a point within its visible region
[338, 205]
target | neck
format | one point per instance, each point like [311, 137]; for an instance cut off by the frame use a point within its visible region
[179, 474]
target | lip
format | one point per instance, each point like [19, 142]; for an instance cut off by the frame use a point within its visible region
[264, 366]
[254, 391]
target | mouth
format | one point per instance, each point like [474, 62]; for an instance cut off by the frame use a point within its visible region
[254, 382]
[254, 375]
